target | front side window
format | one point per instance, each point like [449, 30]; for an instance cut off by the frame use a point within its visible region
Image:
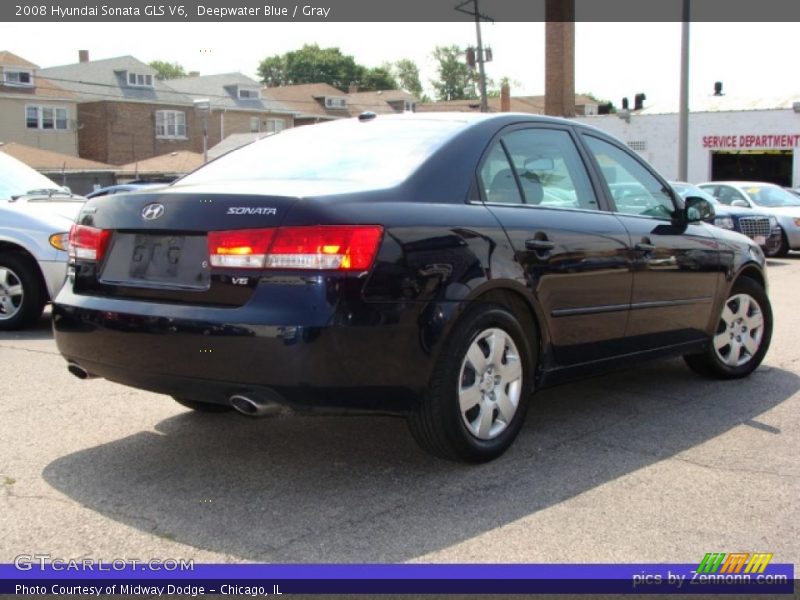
[49, 118]
[550, 169]
[170, 124]
[634, 189]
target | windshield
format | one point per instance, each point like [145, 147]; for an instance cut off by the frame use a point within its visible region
[16, 178]
[382, 151]
[771, 195]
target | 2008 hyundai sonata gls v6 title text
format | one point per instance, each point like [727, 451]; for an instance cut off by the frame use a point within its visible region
[439, 267]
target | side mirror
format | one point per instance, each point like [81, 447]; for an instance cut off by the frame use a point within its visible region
[698, 209]
[740, 203]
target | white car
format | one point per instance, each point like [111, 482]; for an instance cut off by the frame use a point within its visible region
[766, 197]
[35, 219]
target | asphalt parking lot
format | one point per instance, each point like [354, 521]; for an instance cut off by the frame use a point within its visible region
[653, 464]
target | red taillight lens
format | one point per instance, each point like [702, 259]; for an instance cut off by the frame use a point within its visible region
[323, 247]
[337, 247]
[88, 243]
[240, 248]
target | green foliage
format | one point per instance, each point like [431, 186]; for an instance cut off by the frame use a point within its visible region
[312, 64]
[407, 74]
[167, 70]
[457, 81]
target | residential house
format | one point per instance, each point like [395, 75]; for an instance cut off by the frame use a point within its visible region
[34, 110]
[124, 112]
[381, 102]
[79, 174]
[584, 105]
[237, 105]
[161, 168]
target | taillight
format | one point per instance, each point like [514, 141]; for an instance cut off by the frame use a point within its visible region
[322, 247]
[342, 248]
[88, 243]
[240, 248]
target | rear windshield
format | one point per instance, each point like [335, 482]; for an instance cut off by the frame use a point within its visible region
[381, 151]
[17, 179]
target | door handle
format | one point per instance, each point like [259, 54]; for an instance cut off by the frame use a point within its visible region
[645, 246]
[540, 245]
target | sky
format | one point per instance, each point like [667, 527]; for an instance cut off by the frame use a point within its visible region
[612, 60]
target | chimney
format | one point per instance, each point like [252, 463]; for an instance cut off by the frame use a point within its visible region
[625, 103]
[505, 97]
[638, 101]
[718, 88]
[194, 73]
[83, 56]
[353, 89]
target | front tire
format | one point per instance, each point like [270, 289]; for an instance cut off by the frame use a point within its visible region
[783, 248]
[742, 336]
[22, 291]
[478, 394]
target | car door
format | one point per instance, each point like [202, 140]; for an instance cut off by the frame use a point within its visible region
[676, 265]
[574, 255]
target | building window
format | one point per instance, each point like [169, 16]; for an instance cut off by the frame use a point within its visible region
[275, 125]
[140, 80]
[335, 102]
[409, 106]
[46, 117]
[18, 78]
[170, 124]
[249, 94]
[255, 125]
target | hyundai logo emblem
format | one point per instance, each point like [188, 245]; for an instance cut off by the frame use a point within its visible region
[152, 211]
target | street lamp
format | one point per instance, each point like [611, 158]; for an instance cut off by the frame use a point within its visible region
[203, 106]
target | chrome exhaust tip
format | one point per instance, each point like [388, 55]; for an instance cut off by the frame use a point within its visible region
[253, 406]
[79, 371]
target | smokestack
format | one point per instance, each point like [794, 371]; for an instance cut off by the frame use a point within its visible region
[505, 98]
[83, 56]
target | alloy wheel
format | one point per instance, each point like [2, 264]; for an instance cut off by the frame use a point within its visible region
[490, 384]
[11, 293]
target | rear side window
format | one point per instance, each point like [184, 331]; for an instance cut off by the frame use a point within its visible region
[497, 178]
[634, 189]
[550, 169]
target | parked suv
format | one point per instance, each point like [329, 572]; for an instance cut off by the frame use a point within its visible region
[35, 218]
[442, 267]
[759, 226]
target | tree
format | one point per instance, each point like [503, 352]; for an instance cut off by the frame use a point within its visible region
[378, 78]
[167, 70]
[407, 74]
[457, 80]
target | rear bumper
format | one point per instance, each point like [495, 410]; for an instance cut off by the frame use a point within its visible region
[371, 357]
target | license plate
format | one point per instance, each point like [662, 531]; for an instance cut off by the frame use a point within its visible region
[158, 261]
[760, 240]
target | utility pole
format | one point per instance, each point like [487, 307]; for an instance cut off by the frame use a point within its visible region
[480, 57]
[683, 116]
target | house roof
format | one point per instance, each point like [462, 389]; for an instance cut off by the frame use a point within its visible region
[523, 104]
[9, 59]
[47, 160]
[377, 102]
[308, 99]
[106, 80]
[222, 90]
[182, 161]
[233, 141]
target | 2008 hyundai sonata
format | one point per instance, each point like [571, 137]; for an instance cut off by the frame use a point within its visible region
[440, 267]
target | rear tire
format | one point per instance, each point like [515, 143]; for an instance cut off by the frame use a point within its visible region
[22, 291]
[207, 407]
[478, 393]
[742, 336]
